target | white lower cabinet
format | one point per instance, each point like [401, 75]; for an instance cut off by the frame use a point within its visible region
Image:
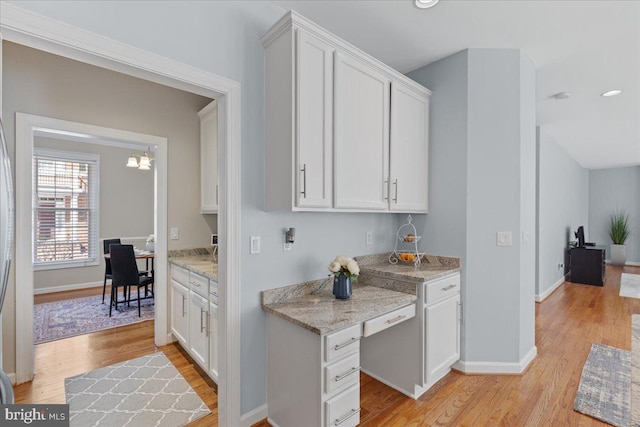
[198, 329]
[179, 312]
[442, 337]
[213, 341]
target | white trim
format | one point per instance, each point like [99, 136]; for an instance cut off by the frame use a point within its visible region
[254, 416]
[62, 288]
[541, 297]
[271, 423]
[507, 368]
[631, 263]
[21, 26]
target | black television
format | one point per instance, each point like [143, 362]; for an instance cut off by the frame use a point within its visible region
[580, 236]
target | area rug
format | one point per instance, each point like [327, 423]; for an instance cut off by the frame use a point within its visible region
[147, 391]
[63, 319]
[605, 386]
[630, 285]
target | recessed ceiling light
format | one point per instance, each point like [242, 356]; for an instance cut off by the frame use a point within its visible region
[426, 4]
[560, 96]
[613, 92]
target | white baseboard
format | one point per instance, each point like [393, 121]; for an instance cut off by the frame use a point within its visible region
[632, 263]
[271, 423]
[12, 377]
[253, 416]
[496, 367]
[52, 289]
[545, 294]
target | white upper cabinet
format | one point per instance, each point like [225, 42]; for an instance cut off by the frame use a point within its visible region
[333, 139]
[209, 158]
[314, 139]
[361, 117]
[408, 176]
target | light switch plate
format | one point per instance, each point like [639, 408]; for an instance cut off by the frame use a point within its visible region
[175, 234]
[369, 238]
[255, 245]
[504, 238]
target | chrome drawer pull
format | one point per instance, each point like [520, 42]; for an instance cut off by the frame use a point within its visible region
[396, 319]
[344, 344]
[304, 180]
[346, 417]
[196, 284]
[346, 374]
[446, 288]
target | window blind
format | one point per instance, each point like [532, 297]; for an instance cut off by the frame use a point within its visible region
[65, 209]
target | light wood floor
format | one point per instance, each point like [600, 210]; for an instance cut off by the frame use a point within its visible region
[567, 323]
[57, 360]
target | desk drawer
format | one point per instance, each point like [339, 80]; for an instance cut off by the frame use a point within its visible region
[213, 291]
[442, 289]
[343, 342]
[199, 284]
[344, 409]
[180, 275]
[342, 374]
[388, 320]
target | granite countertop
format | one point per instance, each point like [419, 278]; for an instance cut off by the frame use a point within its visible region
[313, 306]
[431, 267]
[199, 261]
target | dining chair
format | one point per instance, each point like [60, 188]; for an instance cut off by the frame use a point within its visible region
[107, 262]
[125, 275]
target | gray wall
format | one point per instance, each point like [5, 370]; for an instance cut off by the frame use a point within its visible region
[563, 205]
[223, 38]
[38, 83]
[483, 118]
[126, 208]
[611, 189]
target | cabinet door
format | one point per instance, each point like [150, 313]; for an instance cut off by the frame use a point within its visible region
[409, 149]
[361, 118]
[314, 138]
[213, 341]
[198, 340]
[209, 158]
[443, 337]
[179, 312]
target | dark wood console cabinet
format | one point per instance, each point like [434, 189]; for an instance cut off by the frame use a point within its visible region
[587, 265]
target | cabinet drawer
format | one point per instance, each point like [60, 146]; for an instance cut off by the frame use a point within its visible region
[342, 373]
[342, 342]
[199, 284]
[442, 289]
[180, 275]
[385, 321]
[213, 291]
[344, 409]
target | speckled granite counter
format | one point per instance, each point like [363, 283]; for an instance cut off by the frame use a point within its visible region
[635, 370]
[431, 267]
[200, 261]
[313, 306]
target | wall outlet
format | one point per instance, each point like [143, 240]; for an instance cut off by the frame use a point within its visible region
[369, 238]
[175, 233]
[560, 265]
[255, 245]
[286, 247]
[504, 238]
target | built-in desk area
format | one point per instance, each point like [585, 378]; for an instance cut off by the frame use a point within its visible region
[587, 264]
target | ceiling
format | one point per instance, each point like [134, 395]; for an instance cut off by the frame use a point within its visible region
[582, 47]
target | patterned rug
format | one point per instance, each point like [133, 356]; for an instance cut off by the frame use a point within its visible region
[605, 386]
[63, 319]
[147, 391]
[630, 285]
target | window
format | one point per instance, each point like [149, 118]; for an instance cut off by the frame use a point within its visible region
[65, 209]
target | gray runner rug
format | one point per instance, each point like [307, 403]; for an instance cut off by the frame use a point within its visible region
[605, 386]
[630, 285]
[147, 391]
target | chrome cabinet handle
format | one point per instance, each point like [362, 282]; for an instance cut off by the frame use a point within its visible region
[346, 374]
[184, 299]
[195, 284]
[346, 417]
[201, 322]
[396, 198]
[446, 288]
[346, 343]
[396, 319]
[385, 190]
[216, 194]
[304, 180]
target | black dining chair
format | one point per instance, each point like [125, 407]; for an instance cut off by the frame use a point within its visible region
[107, 262]
[125, 275]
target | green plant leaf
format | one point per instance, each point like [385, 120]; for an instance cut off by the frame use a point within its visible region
[619, 227]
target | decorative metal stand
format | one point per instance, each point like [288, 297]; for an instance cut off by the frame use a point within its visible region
[406, 237]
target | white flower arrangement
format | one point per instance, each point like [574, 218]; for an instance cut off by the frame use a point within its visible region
[345, 265]
[151, 238]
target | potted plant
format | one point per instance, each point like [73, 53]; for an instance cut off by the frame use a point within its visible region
[619, 231]
[151, 243]
[343, 269]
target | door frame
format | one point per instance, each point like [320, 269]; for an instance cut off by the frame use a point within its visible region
[30, 29]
